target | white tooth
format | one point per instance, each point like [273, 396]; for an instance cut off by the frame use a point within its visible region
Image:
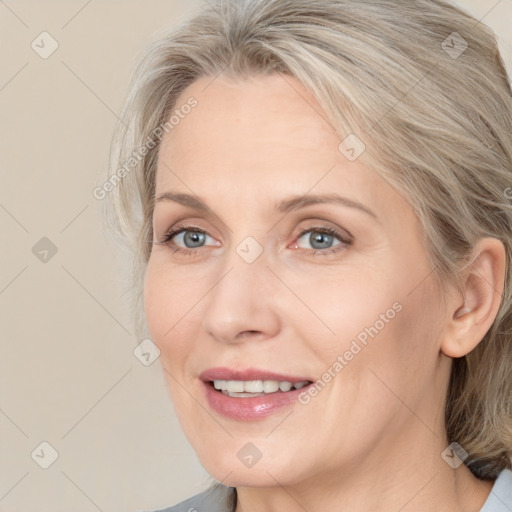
[285, 386]
[240, 388]
[235, 386]
[253, 386]
[270, 386]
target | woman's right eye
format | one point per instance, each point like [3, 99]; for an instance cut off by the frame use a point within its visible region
[184, 238]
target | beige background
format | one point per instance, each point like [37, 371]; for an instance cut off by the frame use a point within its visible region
[68, 375]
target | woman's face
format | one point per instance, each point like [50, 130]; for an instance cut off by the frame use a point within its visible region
[267, 284]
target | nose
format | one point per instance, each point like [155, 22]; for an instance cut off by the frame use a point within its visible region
[242, 305]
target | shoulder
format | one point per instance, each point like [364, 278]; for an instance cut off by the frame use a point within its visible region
[216, 499]
[500, 499]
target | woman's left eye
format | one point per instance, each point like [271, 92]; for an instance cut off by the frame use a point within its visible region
[322, 239]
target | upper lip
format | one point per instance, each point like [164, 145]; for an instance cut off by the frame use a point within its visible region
[222, 373]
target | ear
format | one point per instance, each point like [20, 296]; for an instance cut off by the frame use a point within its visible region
[471, 316]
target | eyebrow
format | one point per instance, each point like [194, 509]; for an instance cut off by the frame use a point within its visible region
[286, 206]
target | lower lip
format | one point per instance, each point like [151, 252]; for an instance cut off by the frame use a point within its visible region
[252, 408]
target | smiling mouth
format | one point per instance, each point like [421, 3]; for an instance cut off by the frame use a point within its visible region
[255, 388]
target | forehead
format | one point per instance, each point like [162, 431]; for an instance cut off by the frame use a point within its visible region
[259, 114]
[263, 136]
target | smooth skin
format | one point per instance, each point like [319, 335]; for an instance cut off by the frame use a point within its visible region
[372, 438]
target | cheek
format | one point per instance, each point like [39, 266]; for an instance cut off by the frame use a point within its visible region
[396, 339]
[384, 327]
[357, 307]
[167, 302]
[156, 307]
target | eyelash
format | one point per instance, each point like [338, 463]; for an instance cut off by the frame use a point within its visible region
[180, 228]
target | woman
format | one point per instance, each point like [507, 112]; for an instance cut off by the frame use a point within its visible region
[319, 201]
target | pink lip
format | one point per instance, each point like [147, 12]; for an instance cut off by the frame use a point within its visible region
[248, 409]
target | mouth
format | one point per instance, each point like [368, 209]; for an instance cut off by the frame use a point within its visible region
[250, 394]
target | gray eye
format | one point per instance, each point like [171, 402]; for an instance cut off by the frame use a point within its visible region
[323, 240]
[193, 238]
[318, 240]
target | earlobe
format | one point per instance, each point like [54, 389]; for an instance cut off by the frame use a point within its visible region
[484, 280]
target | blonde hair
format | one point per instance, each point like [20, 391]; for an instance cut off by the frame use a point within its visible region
[422, 84]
